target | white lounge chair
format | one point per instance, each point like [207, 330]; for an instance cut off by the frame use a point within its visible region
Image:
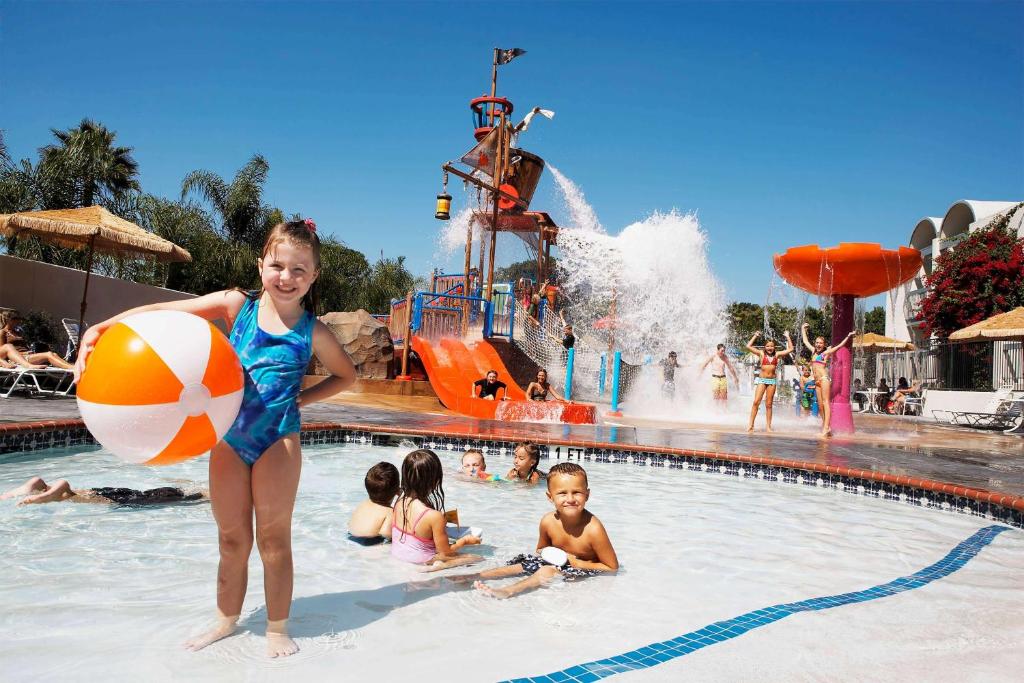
[39, 381]
[1001, 412]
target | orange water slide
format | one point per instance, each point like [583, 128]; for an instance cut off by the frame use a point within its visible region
[453, 365]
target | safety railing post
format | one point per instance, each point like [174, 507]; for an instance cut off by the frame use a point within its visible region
[616, 376]
[568, 374]
[407, 342]
[488, 319]
[602, 374]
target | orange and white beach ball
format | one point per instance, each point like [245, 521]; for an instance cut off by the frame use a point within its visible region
[160, 387]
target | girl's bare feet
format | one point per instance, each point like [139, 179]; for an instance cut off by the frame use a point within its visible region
[279, 643]
[33, 485]
[225, 627]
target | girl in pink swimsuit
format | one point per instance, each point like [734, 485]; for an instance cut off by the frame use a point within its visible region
[764, 384]
[418, 532]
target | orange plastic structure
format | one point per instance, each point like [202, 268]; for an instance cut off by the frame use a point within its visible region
[854, 268]
[452, 366]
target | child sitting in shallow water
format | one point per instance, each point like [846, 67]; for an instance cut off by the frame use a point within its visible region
[571, 528]
[418, 532]
[371, 520]
[475, 467]
[36, 491]
[526, 459]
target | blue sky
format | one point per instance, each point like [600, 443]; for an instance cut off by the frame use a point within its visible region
[780, 124]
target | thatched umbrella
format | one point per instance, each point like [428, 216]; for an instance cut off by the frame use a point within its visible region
[869, 341]
[92, 227]
[1007, 326]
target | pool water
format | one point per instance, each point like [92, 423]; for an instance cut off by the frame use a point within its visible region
[116, 590]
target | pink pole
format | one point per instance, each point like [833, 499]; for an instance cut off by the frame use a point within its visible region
[842, 364]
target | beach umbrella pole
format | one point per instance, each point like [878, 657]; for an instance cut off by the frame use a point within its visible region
[85, 293]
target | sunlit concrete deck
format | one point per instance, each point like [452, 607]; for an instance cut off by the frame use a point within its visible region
[886, 444]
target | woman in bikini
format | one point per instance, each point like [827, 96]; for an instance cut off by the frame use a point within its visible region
[820, 355]
[540, 388]
[765, 381]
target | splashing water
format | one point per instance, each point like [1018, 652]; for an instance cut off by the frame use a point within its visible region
[581, 214]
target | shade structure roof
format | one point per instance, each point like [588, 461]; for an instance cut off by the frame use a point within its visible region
[1004, 326]
[869, 341]
[855, 268]
[77, 228]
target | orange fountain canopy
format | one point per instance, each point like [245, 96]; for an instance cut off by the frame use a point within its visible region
[854, 268]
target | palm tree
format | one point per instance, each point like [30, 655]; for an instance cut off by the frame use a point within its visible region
[86, 166]
[238, 204]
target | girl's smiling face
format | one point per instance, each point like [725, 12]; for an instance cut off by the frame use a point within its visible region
[819, 344]
[288, 271]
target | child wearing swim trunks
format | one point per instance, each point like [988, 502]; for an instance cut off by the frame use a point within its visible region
[571, 528]
[254, 470]
[371, 520]
[525, 460]
[418, 531]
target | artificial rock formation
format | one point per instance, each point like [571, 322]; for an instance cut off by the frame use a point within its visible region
[366, 340]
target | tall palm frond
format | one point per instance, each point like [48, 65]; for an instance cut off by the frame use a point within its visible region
[90, 163]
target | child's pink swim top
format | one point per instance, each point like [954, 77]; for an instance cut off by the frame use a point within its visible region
[407, 546]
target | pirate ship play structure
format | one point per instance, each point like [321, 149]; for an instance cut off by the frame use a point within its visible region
[456, 328]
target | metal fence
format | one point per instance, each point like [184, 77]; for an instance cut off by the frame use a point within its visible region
[980, 366]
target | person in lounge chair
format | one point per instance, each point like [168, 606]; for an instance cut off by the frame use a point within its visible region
[13, 348]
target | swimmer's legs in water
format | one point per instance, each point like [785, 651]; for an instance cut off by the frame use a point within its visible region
[33, 485]
[496, 573]
[224, 627]
[541, 577]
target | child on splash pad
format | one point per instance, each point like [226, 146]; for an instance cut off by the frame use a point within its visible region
[765, 381]
[254, 470]
[525, 460]
[371, 520]
[418, 532]
[820, 356]
[572, 542]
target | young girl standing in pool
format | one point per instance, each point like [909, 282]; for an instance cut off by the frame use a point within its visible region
[764, 383]
[418, 533]
[254, 471]
[820, 355]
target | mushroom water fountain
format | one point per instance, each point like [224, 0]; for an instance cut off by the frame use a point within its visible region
[853, 269]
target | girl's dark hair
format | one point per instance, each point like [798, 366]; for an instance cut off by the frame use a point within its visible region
[546, 384]
[421, 480]
[533, 451]
[303, 234]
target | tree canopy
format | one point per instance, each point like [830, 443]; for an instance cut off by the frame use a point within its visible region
[221, 223]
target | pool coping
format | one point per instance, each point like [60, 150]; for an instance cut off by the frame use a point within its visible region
[24, 436]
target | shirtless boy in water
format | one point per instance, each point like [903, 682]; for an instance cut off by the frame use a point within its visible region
[571, 528]
[719, 363]
[35, 490]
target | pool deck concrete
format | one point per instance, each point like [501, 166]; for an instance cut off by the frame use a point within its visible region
[988, 461]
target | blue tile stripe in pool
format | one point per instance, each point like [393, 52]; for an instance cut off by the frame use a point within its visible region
[656, 653]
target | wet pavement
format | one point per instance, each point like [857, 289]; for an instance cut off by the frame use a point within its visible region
[900, 446]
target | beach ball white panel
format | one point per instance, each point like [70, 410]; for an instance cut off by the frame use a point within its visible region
[164, 332]
[222, 412]
[135, 433]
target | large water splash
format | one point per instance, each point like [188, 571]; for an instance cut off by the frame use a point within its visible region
[646, 291]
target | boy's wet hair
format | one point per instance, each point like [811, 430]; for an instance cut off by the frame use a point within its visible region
[382, 483]
[483, 461]
[720, 347]
[421, 479]
[303, 234]
[569, 468]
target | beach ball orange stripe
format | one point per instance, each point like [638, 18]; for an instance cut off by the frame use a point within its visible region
[160, 387]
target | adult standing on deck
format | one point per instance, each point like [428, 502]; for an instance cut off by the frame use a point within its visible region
[719, 362]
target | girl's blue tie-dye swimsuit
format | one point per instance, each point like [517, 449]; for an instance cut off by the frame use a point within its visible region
[274, 365]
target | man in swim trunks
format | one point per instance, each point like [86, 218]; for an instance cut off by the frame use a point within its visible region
[488, 387]
[719, 362]
[35, 490]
